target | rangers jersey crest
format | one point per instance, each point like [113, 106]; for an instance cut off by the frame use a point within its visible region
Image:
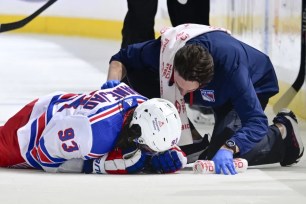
[208, 95]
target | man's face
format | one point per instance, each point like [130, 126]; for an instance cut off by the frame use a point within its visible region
[183, 85]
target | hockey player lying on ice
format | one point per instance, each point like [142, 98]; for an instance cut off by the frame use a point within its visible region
[114, 131]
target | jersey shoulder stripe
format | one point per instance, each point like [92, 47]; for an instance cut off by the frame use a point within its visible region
[44, 157]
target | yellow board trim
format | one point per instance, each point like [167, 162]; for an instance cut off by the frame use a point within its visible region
[108, 29]
[298, 104]
[111, 29]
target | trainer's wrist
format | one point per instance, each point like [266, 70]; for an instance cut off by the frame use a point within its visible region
[231, 145]
[225, 147]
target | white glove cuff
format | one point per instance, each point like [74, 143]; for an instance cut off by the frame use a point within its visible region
[98, 165]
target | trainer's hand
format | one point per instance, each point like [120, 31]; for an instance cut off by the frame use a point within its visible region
[224, 161]
[110, 84]
[117, 162]
[169, 161]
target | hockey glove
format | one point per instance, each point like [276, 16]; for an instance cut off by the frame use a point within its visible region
[223, 160]
[169, 161]
[117, 162]
[110, 84]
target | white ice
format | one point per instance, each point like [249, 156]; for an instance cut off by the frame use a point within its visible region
[35, 65]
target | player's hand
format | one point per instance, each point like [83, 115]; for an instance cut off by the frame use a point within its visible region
[169, 161]
[224, 161]
[110, 84]
[119, 162]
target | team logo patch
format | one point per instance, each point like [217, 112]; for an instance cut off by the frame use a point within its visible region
[208, 95]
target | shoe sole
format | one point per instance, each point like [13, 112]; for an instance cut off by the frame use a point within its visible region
[296, 131]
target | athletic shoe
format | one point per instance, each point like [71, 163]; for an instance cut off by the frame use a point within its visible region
[293, 142]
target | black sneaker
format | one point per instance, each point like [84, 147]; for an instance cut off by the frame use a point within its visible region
[293, 142]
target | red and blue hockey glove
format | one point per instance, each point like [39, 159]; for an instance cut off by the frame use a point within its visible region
[223, 160]
[117, 162]
[110, 84]
[169, 161]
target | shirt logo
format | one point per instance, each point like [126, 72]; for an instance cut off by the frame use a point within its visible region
[208, 95]
[129, 101]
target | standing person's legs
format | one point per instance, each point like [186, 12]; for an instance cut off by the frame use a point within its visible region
[138, 25]
[194, 11]
[9, 147]
[139, 21]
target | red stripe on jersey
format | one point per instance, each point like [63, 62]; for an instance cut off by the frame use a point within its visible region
[65, 96]
[105, 113]
[140, 101]
[43, 157]
[95, 155]
[110, 112]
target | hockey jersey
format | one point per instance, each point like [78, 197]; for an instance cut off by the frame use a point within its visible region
[65, 126]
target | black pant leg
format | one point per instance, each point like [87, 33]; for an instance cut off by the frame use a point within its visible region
[138, 25]
[270, 150]
[194, 11]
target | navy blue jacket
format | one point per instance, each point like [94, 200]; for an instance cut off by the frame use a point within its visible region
[240, 73]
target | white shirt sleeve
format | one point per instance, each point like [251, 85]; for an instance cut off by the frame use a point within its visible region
[64, 138]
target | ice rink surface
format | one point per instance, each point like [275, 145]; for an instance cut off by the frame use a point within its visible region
[35, 65]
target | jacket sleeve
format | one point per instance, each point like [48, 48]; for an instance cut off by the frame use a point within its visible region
[140, 56]
[245, 101]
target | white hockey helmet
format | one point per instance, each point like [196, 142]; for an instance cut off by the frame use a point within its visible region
[160, 124]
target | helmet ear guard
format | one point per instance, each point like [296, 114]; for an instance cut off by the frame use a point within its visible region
[160, 125]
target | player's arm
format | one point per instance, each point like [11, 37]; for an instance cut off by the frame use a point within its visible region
[117, 161]
[134, 161]
[64, 138]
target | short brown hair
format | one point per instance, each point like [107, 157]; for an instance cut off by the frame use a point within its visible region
[194, 63]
